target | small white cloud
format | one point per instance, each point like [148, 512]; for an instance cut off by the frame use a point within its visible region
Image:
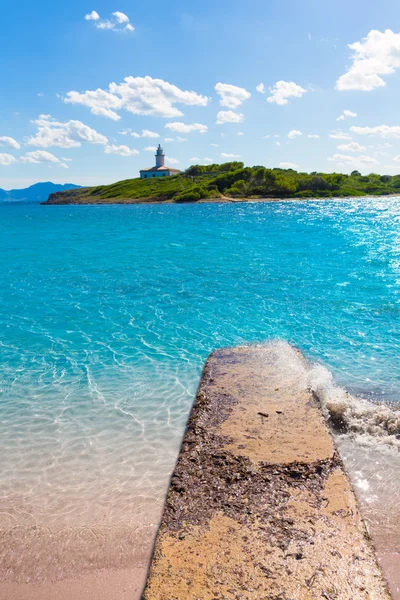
[228, 155]
[41, 156]
[240, 133]
[260, 88]
[151, 149]
[194, 158]
[229, 116]
[7, 159]
[351, 147]
[382, 131]
[294, 134]
[313, 136]
[168, 139]
[214, 145]
[354, 162]
[173, 161]
[207, 160]
[339, 135]
[181, 139]
[277, 143]
[70, 134]
[137, 95]
[374, 56]
[130, 27]
[231, 96]
[93, 16]
[149, 134]
[288, 165]
[9, 142]
[121, 17]
[105, 24]
[396, 158]
[184, 128]
[282, 91]
[346, 113]
[120, 150]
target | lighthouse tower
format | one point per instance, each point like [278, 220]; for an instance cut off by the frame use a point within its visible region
[160, 157]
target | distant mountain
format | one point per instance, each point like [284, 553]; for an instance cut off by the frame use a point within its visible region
[39, 192]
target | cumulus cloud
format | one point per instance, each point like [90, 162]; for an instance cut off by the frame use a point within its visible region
[229, 155]
[70, 134]
[382, 131]
[282, 91]
[294, 134]
[149, 134]
[184, 128]
[118, 22]
[339, 135]
[121, 17]
[375, 55]
[173, 161]
[288, 165]
[42, 156]
[346, 113]
[313, 136]
[214, 145]
[9, 142]
[137, 95]
[354, 162]
[352, 147]
[7, 159]
[260, 88]
[120, 150]
[231, 96]
[93, 16]
[151, 149]
[229, 116]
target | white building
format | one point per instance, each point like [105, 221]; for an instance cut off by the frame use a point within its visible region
[160, 170]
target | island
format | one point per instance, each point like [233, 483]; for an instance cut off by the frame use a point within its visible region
[232, 182]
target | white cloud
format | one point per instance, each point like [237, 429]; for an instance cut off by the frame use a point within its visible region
[231, 96]
[294, 134]
[65, 135]
[229, 116]
[214, 145]
[346, 113]
[151, 149]
[184, 128]
[396, 158]
[181, 139]
[352, 147]
[288, 165]
[228, 155]
[382, 131]
[277, 143]
[105, 24]
[313, 136]
[9, 142]
[42, 156]
[375, 55]
[121, 150]
[240, 133]
[173, 161]
[149, 134]
[354, 162]
[194, 158]
[339, 135]
[130, 27]
[121, 17]
[207, 160]
[137, 95]
[93, 16]
[168, 139]
[260, 88]
[283, 90]
[7, 159]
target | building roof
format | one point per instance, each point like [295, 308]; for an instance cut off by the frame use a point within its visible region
[161, 169]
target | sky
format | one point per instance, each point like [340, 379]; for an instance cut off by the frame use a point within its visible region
[90, 88]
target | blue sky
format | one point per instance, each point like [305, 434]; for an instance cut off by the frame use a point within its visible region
[188, 72]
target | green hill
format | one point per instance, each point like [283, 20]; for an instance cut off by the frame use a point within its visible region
[232, 180]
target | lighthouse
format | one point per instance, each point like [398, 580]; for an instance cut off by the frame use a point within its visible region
[160, 170]
[160, 157]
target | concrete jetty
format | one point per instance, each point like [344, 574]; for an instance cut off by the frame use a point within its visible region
[259, 505]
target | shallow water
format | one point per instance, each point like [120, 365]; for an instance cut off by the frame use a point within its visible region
[107, 315]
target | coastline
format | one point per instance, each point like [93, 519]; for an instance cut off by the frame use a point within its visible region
[97, 201]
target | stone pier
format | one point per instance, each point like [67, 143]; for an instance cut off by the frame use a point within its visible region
[259, 505]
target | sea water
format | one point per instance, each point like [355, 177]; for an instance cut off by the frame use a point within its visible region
[107, 314]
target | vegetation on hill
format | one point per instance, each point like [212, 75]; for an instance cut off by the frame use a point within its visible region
[235, 181]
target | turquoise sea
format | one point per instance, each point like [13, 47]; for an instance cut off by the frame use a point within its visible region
[107, 314]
